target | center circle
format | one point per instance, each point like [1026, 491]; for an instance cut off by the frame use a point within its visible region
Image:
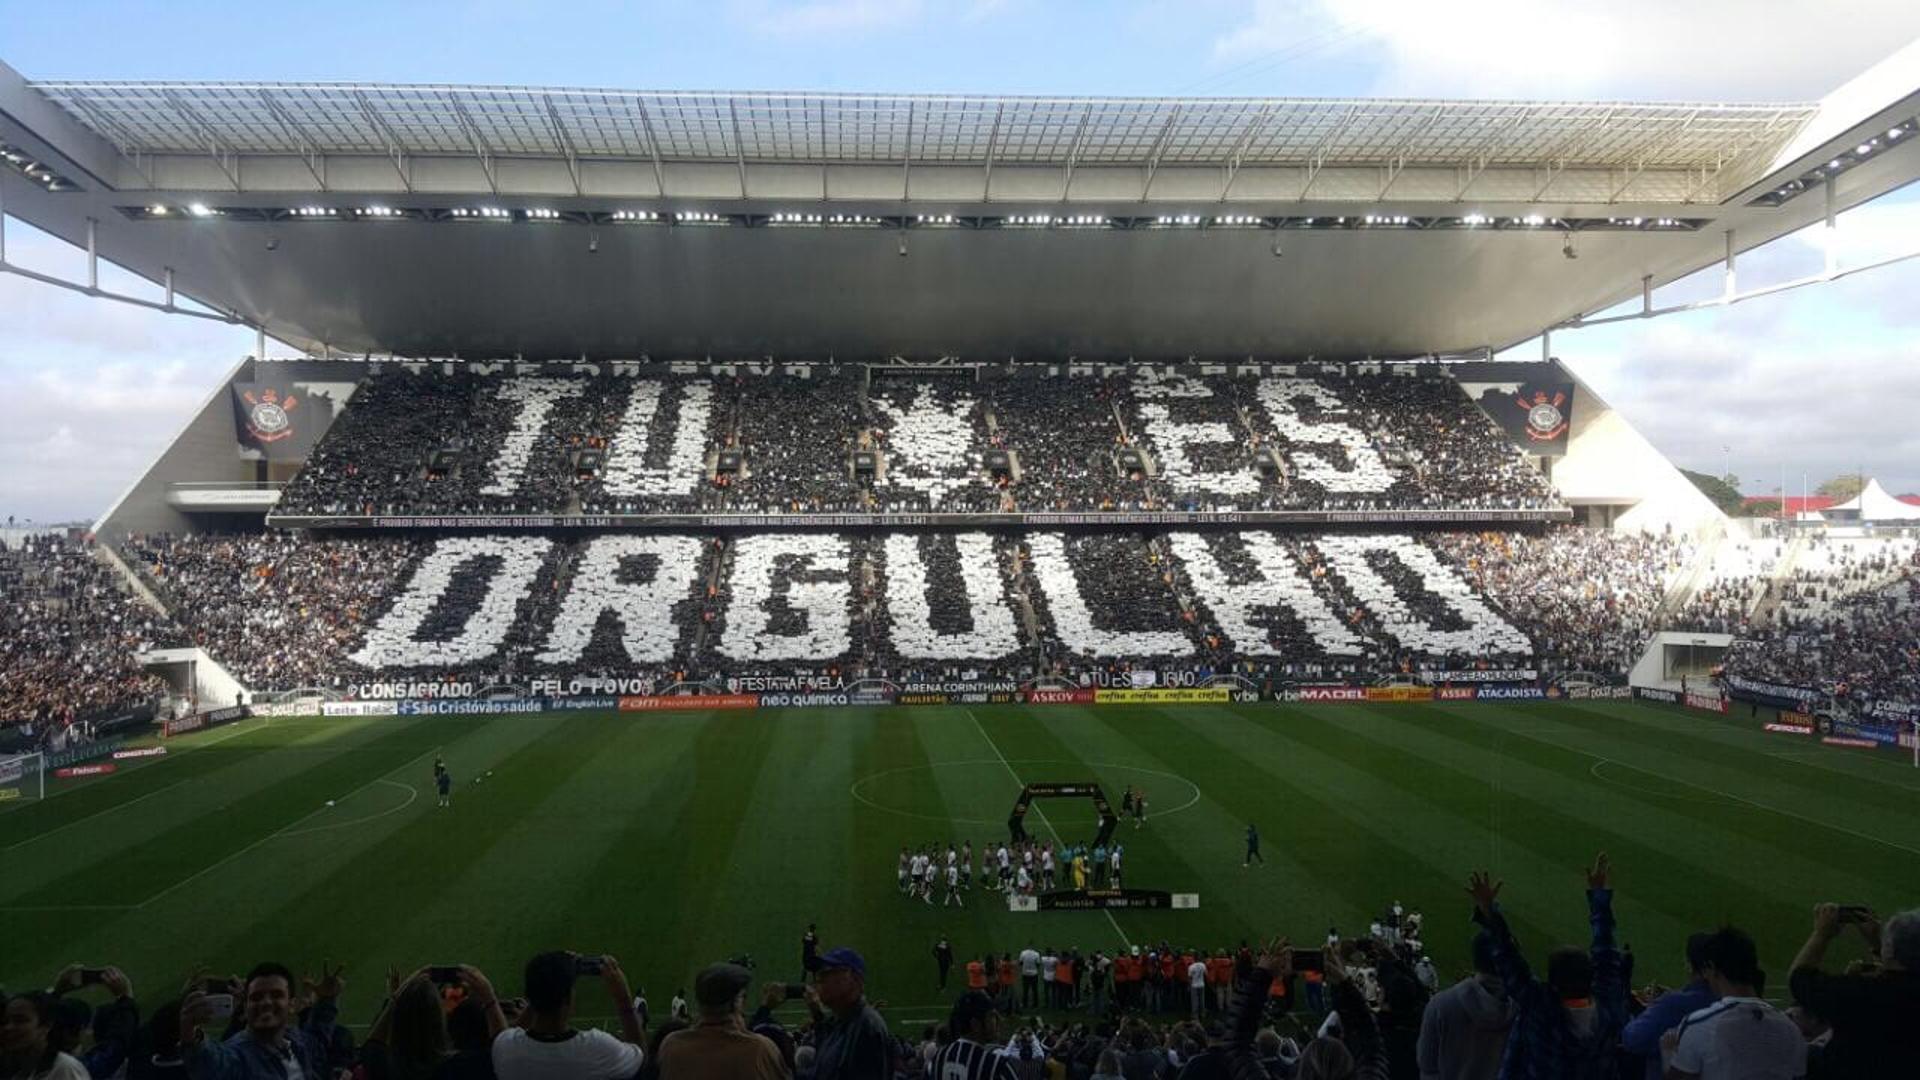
[862, 789]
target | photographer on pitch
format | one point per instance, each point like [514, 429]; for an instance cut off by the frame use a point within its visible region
[268, 1046]
[546, 1046]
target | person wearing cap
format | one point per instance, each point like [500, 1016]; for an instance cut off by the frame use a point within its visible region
[851, 1040]
[544, 1045]
[972, 1055]
[718, 1046]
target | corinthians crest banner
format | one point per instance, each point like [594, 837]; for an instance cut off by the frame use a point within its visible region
[1535, 414]
[277, 419]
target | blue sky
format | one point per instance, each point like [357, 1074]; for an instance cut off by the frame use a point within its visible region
[1813, 382]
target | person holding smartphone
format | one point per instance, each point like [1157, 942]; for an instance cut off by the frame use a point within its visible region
[546, 1046]
[269, 1046]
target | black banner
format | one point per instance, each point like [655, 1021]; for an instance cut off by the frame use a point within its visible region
[798, 522]
[277, 419]
[1535, 414]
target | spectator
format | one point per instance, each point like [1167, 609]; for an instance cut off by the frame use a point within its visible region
[974, 1025]
[1566, 1027]
[269, 1045]
[1464, 1031]
[718, 1046]
[1668, 1010]
[851, 1040]
[1739, 1036]
[29, 1049]
[545, 1045]
[116, 1025]
[413, 1037]
[1872, 1012]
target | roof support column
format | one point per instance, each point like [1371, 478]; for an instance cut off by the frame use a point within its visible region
[1832, 235]
[1546, 344]
[166, 282]
[3, 224]
[260, 342]
[1731, 288]
[1646, 296]
[93, 256]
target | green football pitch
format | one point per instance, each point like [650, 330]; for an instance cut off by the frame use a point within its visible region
[674, 840]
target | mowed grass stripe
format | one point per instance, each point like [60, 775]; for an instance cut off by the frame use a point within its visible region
[1196, 849]
[445, 885]
[1548, 826]
[96, 796]
[1787, 785]
[1748, 805]
[111, 862]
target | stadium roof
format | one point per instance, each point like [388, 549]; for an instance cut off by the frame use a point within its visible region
[487, 221]
[331, 119]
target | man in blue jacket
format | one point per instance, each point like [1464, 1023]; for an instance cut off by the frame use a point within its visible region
[269, 1046]
[1664, 1013]
[1566, 1027]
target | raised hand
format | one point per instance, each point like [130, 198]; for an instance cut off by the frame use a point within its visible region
[1600, 873]
[330, 983]
[1276, 956]
[1484, 890]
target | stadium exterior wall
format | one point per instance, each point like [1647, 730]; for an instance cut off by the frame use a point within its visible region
[204, 450]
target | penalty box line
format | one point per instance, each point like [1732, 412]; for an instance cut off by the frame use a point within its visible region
[1058, 843]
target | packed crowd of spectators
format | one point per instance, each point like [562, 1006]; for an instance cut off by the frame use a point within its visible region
[663, 441]
[70, 634]
[287, 612]
[1371, 1007]
[1588, 597]
[1845, 621]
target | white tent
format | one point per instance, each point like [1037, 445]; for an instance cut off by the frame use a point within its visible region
[1872, 504]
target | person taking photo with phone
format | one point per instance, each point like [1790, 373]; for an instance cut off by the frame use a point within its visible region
[269, 1046]
[546, 1046]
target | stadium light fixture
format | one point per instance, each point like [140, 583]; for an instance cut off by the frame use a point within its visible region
[540, 213]
[199, 210]
[157, 210]
[1863, 149]
[1895, 132]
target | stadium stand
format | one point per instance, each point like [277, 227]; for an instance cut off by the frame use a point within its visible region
[288, 612]
[69, 635]
[433, 443]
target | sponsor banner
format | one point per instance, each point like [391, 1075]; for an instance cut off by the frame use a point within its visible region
[689, 702]
[140, 752]
[1482, 676]
[358, 708]
[1706, 702]
[72, 771]
[1909, 741]
[1535, 414]
[1844, 740]
[13, 769]
[399, 691]
[180, 725]
[9, 793]
[806, 701]
[1453, 693]
[1878, 736]
[1059, 697]
[1599, 693]
[1789, 727]
[1245, 697]
[472, 707]
[582, 704]
[1654, 693]
[871, 695]
[593, 686]
[287, 708]
[1399, 693]
[1333, 693]
[277, 419]
[1004, 687]
[1510, 693]
[978, 697]
[88, 752]
[1162, 696]
[789, 684]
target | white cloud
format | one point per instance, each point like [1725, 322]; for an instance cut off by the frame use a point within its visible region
[1768, 50]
